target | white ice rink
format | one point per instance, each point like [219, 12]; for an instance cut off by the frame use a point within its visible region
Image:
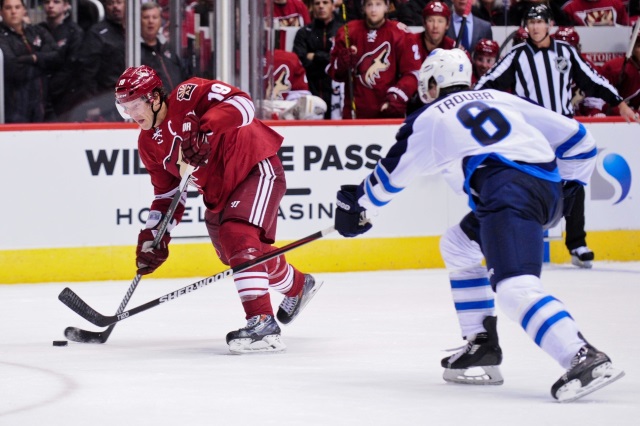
[366, 351]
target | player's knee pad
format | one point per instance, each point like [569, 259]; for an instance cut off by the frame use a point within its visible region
[239, 242]
[516, 294]
[459, 252]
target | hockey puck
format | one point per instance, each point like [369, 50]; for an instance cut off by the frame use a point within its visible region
[60, 343]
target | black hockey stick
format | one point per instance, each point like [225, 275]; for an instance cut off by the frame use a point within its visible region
[73, 301]
[85, 336]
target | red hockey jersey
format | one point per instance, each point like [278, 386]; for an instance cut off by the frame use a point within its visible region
[238, 141]
[447, 43]
[293, 13]
[388, 59]
[593, 13]
[289, 76]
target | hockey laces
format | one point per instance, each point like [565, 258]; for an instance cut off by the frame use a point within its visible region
[289, 304]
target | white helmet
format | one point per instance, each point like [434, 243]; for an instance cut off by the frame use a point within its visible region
[447, 67]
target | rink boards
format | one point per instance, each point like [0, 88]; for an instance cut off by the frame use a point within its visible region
[76, 197]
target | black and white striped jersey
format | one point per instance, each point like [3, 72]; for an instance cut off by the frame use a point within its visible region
[546, 75]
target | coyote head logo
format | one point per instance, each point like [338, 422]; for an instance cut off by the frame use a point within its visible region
[372, 64]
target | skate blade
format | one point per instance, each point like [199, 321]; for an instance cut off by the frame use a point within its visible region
[586, 264]
[269, 344]
[485, 375]
[304, 302]
[604, 375]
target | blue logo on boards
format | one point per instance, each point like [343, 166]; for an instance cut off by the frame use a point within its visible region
[611, 180]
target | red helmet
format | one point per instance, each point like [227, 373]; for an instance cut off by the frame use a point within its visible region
[136, 82]
[568, 34]
[436, 8]
[486, 47]
[520, 36]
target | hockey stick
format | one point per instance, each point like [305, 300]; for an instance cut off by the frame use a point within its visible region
[632, 43]
[73, 301]
[463, 25]
[85, 336]
[350, 81]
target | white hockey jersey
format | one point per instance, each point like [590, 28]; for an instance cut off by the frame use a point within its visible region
[455, 134]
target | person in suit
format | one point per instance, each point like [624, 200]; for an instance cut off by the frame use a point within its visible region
[475, 30]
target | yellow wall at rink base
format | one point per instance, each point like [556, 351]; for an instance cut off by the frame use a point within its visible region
[328, 255]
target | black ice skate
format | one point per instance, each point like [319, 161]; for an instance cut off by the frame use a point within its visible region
[582, 257]
[590, 370]
[262, 334]
[482, 354]
[290, 307]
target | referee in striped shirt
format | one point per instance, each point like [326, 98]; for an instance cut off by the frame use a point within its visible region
[544, 70]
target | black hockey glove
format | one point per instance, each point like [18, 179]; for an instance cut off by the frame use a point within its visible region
[569, 190]
[351, 219]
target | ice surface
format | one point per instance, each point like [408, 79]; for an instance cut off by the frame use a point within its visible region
[366, 351]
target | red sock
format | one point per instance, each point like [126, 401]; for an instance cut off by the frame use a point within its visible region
[261, 305]
[298, 282]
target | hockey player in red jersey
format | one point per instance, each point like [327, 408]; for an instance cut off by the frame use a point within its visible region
[287, 95]
[627, 81]
[380, 60]
[436, 18]
[485, 55]
[289, 77]
[210, 125]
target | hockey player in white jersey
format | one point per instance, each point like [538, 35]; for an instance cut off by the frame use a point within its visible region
[515, 160]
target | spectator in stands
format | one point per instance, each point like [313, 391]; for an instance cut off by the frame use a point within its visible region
[30, 53]
[287, 95]
[491, 11]
[410, 13]
[485, 56]
[287, 14]
[102, 63]
[474, 30]
[64, 91]
[313, 45]
[379, 65]
[156, 54]
[553, 89]
[596, 13]
[625, 75]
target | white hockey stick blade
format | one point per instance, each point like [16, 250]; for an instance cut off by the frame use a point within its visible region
[603, 375]
[486, 375]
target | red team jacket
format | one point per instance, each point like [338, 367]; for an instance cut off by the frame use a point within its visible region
[387, 58]
[238, 142]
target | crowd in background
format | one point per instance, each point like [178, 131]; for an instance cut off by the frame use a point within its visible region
[61, 70]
